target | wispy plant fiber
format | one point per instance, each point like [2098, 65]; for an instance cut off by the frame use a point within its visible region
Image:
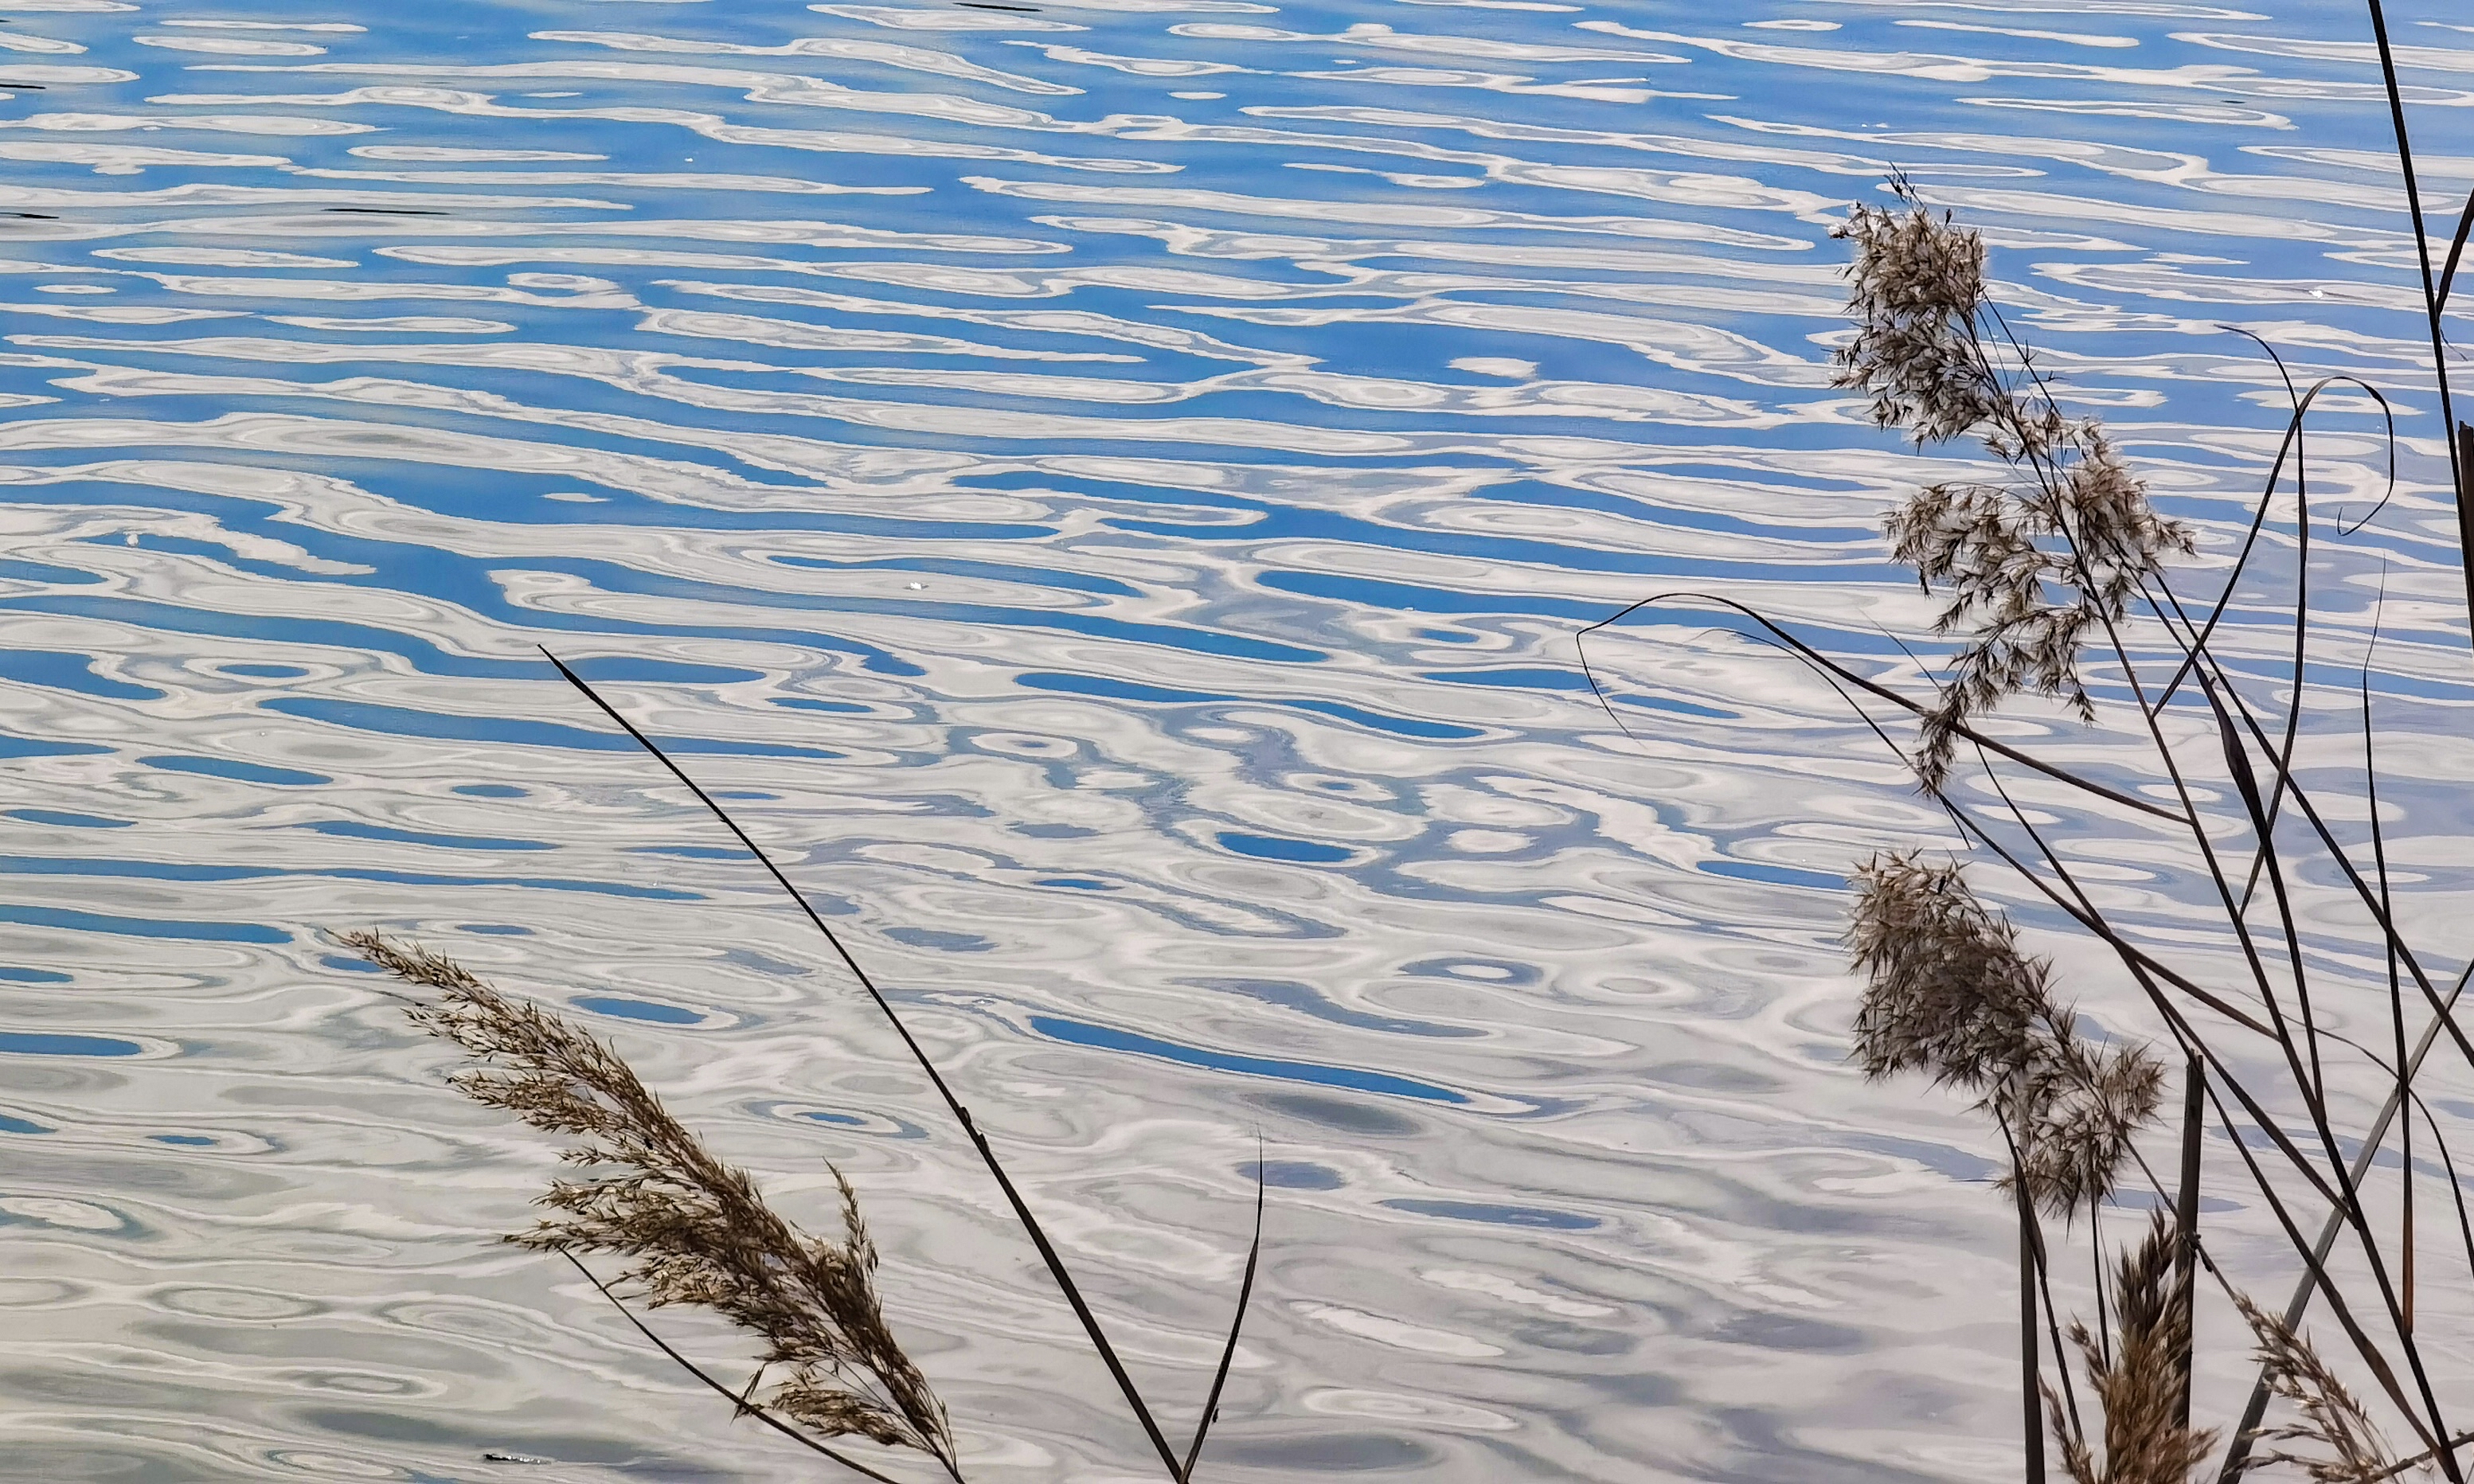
[1949, 993]
[2352, 1450]
[2034, 565]
[697, 1231]
[2138, 1377]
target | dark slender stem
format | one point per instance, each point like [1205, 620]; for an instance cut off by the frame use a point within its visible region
[2348, 1197]
[2199, 645]
[1807, 652]
[2396, 986]
[2456, 250]
[2264, 858]
[2033, 1283]
[2186, 1215]
[1228, 1352]
[2297, 1306]
[2448, 1173]
[2336, 853]
[987, 1156]
[2053, 1315]
[2416, 1461]
[2315, 1262]
[2096, 1269]
[2028, 1367]
[2432, 304]
[739, 1401]
[2264, 829]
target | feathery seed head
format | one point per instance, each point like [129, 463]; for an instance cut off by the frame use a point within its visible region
[1948, 992]
[697, 1231]
[2075, 1112]
[2030, 567]
[2328, 1414]
[2138, 1380]
[1914, 289]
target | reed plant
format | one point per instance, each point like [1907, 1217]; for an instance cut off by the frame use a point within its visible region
[698, 1232]
[2059, 582]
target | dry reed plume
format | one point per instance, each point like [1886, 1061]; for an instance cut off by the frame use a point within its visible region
[2035, 569]
[2326, 1413]
[2034, 564]
[1948, 992]
[697, 1231]
[2138, 1376]
[2054, 576]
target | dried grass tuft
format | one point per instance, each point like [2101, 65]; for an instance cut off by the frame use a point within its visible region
[697, 1231]
[2328, 1414]
[2032, 565]
[1949, 993]
[1915, 288]
[2138, 1380]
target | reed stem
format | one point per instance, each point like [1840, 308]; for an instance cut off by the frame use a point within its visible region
[2186, 1215]
[2239, 1453]
[2030, 1397]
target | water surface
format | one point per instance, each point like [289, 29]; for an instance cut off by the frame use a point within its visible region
[1107, 492]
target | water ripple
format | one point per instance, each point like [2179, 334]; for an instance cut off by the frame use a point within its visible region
[1108, 490]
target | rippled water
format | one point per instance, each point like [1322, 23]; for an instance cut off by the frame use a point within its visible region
[1108, 489]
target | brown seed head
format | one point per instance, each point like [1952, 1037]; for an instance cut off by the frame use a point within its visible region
[1914, 290]
[2137, 1380]
[1948, 992]
[2034, 565]
[697, 1231]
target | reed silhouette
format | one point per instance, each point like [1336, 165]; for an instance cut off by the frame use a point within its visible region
[696, 1229]
[2058, 581]
[699, 1231]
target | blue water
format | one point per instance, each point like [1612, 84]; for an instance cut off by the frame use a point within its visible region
[637, 1009]
[1079, 1034]
[27, 1043]
[1107, 492]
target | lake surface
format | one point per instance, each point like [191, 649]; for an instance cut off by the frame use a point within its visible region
[1107, 489]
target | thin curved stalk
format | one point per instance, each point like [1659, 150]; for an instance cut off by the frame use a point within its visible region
[2448, 1171]
[1871, 688]
[1840, 676]
[2396, 989]
[2259, 514]
[2247, 786]
[2432, 304]
[1047, 1254]
[2186, 1220]
[2314, 1260]
[2313, 1103]
[737, 1399]
[2297, 1306]
[2361, 888]
[1228, 1350]
[2456, 250]
[2262, 858]
[2031, 1277]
